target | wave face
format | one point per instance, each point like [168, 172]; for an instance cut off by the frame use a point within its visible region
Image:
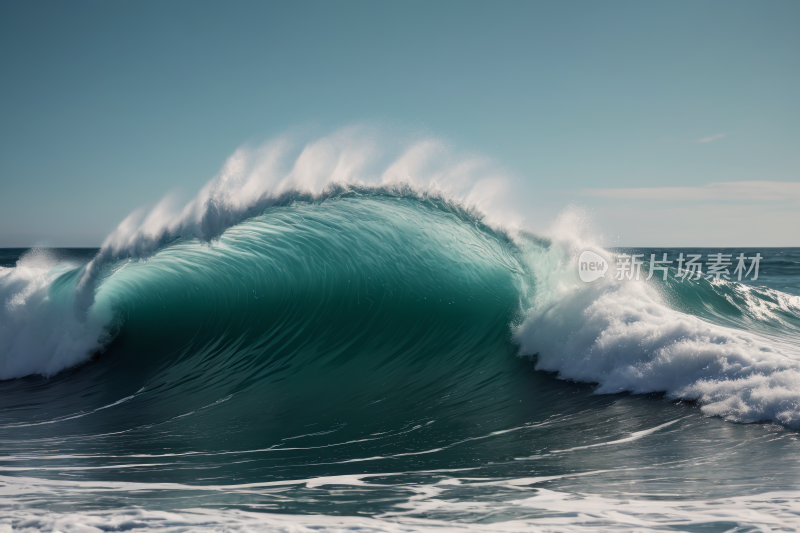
[321, 303]
[385, 348]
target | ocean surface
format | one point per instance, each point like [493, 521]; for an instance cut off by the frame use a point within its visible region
[387, 362]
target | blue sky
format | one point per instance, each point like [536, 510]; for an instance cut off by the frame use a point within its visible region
[671, 123]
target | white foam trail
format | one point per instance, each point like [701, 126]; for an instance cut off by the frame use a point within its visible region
[72, 416]
[636, 435]
[626, 338]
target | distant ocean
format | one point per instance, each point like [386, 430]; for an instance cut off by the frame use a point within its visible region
[374, 359]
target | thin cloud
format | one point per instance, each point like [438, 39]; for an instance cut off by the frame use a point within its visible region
[750, 191]
[711, 138]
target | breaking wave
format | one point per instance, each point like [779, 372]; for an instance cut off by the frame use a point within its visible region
[294, 262]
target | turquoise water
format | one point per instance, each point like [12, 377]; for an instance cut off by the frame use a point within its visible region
[387, 362]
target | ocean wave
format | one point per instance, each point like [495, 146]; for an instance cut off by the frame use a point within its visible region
[288, 261]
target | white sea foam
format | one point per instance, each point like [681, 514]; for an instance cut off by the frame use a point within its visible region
[625, 337]
[529, 509]
[39, 333]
